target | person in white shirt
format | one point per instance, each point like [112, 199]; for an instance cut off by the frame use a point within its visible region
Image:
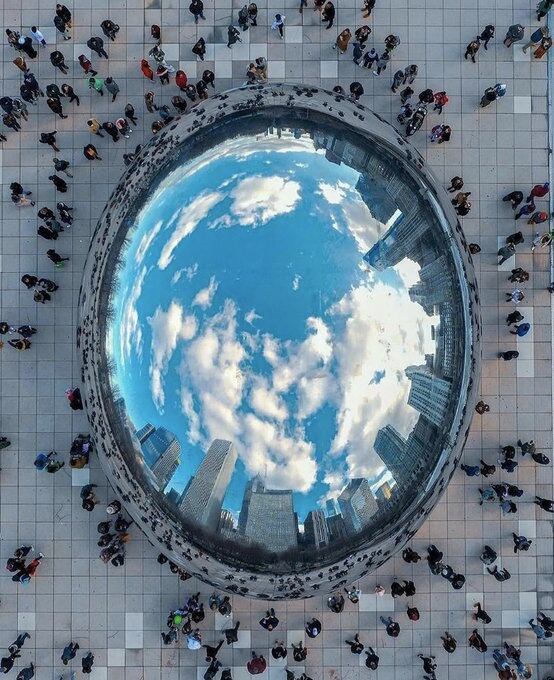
[37, 36]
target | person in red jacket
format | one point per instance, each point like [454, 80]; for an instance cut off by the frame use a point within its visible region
[538, 191]
[440, 100]
[146, 70]
[256, 665]
[181, 80]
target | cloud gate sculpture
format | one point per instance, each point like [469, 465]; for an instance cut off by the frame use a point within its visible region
[279, 335]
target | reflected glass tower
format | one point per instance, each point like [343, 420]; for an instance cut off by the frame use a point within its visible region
[315, 529]
[357, 504]
[202, 499]
[161, 451]
[270, 519]
[428, 394]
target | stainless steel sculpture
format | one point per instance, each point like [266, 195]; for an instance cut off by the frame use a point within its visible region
[279, 336]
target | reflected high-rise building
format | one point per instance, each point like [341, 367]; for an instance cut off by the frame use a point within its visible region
[428, 394]
[384, 492]
[434, 286]
[144, 432]
[331, 507]
[337, 528]
[227, 524]
[315, 529]
[161, 451]
[401, 240]
[406, 460]
[203, 498]
[445, 338]
[357, 504]
[269, 518]
[254, 484]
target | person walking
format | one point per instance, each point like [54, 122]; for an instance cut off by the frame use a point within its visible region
[112, 87]
[199, 48]
[536, 37]
[410, 74]
[514, 34]
[472, 49]
[110, 29]
[382, 63]
[279, 24]
[486, 35]
[269, 621]
[26, 673]
[538, 217]
[441, 100]
[49, 138]
[476, 642]
[328, 14]
[55, 106]
[196, 8]
[342, 40]
[539, 631]
[58, 61]
[96, 84]
[372, 660]
[448, 642]
[392, 628]
[256, 665]
[370, 58]
[68, 91]
[397, 80]
[521, 329]
[37, 36]
[69, 652]
[356, 647]
[506, 252]
[480, 614]
[61, 166]
[509, 355]
[96, 44]
[543, 7]
[62, 27]
[57, 259]
[313, 627]
[521, 543]
[87, 662]
[488, 555]
[279, 651]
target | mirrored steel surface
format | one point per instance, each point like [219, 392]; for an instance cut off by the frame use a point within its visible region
[288, 330]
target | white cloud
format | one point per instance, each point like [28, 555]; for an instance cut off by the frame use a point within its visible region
[146, 242]
[266, 402]
[205, 296]
[191, 271]
[296, 282]
[251, 316]
[374, 339]
[130, 329]
[332, 193]
[191, 215]
[168, 327]
[257, 199]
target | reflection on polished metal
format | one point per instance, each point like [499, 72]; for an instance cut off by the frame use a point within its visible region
[280, 341]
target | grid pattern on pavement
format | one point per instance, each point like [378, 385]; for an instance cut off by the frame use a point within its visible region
[118, 613]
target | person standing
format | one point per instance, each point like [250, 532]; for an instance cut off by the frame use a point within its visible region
[97, 84]
[110, 29]
[538, 191]
[86, 65]
[112, 87]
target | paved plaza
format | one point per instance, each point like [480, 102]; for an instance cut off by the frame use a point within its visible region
[118, 613]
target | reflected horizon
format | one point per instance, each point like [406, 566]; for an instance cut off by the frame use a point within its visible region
[286, 340]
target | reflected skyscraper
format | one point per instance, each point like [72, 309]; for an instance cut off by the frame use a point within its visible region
[270, 519]
[227, 524]
[315, 529]
[405, 459]
[337, 528]
[428, 394]
[145, 432]
[203, 498]
[161, 451]
[357, 504]
[401, 240]
[331, 507]
[254, 484]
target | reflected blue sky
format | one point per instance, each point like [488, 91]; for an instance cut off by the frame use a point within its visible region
[244, 311]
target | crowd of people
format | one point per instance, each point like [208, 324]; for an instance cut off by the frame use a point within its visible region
[53, 221]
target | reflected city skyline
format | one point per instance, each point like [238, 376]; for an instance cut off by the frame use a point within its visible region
[286, 339]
